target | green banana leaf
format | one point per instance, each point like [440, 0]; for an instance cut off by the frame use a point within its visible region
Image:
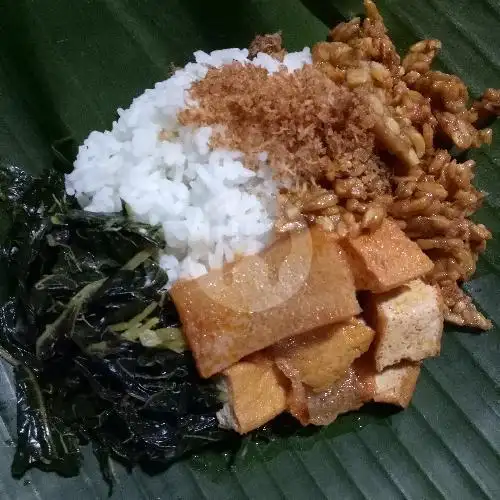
[65, 66]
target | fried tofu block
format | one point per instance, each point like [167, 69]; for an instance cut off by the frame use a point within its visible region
[320, 357]
[257, 392]
[396, 384]
[360, 384]
[349, 393]
[299, 283]
[408, 322]
[385, 259]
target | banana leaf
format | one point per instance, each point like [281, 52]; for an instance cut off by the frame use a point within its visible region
[64, 69]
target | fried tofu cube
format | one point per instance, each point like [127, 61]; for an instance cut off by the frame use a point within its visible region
[320, 357]
[408, 322]
[299, 283]
[349, 393]
[359, 384]
[256, 391]
[385, 259]
[396, 384]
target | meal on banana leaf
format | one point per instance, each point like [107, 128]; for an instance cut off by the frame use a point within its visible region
[265, 232]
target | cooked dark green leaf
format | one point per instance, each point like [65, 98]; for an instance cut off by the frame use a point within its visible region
[64, 325]
[85, 287]
[44, 440]
[24, 200]
[115, 236]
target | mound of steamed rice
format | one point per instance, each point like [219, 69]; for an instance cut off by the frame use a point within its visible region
[211, 207]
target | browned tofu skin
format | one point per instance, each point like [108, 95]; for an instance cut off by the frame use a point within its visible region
[257, 392]
[385, 259]
[299, 283]
[409, 323]
[348, 393]
[396, 384]
[359, 384]
[320, 357]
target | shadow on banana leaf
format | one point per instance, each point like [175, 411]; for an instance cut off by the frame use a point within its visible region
[326, 12]
[29, 79]
[277, 437]
[224, 25]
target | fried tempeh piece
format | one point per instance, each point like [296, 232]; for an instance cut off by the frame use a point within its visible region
[408, 322]
[385, 259]
[320, 357]
[256, 391]
[299, 283]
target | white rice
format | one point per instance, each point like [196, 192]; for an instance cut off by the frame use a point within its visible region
[210, 206]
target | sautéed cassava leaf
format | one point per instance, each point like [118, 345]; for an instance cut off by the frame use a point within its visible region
[82, 288]
[44, 440]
